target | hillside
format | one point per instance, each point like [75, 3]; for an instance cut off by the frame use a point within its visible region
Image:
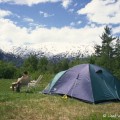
[10, 57]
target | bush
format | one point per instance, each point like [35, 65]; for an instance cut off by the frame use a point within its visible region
[7, 70]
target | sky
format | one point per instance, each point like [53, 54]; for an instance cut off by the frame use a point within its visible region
[56, 26]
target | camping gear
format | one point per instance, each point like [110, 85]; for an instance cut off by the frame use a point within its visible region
[86, 82]
[34, 83]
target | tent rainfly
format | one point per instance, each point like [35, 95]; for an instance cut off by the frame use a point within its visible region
[86, 82]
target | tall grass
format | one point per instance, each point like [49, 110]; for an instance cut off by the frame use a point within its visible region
[36, 106]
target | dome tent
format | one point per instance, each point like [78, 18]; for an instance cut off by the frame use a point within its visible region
[86, 82]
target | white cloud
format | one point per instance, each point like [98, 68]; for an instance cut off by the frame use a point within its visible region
[36, 25]
[44, 14]
[75, 23]
[32, 24]
[72, 24]
[40, 38]
[28, 2]
[9, 31]
[66, 3]
[102, 11]
[28, 19]
[79, 22]
[4, 13]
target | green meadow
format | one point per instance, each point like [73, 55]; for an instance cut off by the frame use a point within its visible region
[37, 106]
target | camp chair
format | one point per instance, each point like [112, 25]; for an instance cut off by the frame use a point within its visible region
[20, 85]
[34, 83]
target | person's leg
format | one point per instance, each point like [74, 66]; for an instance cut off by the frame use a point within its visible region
[18, 87]
[13, 86]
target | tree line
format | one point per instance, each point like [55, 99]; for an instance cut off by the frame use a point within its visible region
[106, 55]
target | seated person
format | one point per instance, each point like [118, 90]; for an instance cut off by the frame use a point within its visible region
[24, 80]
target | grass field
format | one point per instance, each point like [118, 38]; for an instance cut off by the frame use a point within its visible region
[36, 106]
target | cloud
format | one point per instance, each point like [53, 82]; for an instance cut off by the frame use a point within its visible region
[79, 22]
[44, 14]
[10, 32]
[66, 3]
[75, 23]
[28, 2]
[36, 25]
[4, 13]
[72, 24]
[102, 11]
[32, 24]
[41, 38]
[28, 19]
